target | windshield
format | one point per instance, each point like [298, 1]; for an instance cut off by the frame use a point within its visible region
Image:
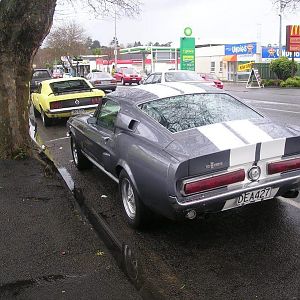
[129, 71]
[99, 75]
[41, 74]
[69, 86]
[182, 76]
[190, 111]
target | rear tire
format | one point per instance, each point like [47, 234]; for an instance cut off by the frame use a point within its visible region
[80, 161]
[36, 112]
[46, 121]
[136, 213]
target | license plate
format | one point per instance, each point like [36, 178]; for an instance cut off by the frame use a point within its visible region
[254, 196]
[133, 78]
[77, 111]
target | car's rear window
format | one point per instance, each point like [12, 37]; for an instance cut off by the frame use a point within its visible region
[190, 111]
[182, 76]
[101, 75]
[41, 74]
[69, 86]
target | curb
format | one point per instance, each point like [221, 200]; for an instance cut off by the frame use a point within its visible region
[124, 256]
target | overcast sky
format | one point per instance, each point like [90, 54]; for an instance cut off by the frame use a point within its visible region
[212, 21]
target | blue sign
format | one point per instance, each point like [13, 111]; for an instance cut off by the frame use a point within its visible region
[239, 49]
[273, 52]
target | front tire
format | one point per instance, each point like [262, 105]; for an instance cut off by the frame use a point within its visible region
[80, 161]
[136, 213]
[46, 121]
[122, 81]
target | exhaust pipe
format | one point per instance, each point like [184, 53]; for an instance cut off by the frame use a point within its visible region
[191, 214]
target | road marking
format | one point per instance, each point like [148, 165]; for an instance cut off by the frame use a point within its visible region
[290, 202]
[280, 110]
[271, 102]
[59, 139]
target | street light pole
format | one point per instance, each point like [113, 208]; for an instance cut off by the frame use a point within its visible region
[282, 6]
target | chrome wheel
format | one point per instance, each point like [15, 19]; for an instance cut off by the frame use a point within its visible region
[128, 198]
[75, 153]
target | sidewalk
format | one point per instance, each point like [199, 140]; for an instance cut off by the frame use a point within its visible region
[47, 251]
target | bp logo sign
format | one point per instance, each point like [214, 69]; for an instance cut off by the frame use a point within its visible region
[188, 31]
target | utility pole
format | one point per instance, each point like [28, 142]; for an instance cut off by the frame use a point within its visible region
[116, 49]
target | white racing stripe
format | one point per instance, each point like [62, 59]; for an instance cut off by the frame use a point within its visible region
[273, 148]
[243, 155]
[249, 131]
[159, 90]
[221, 136]
[186, 88]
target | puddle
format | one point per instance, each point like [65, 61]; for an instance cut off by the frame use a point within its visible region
[15, 288]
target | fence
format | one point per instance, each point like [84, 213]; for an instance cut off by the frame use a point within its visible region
[266, 73]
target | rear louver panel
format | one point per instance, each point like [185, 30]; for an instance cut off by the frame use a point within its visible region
[76, 102]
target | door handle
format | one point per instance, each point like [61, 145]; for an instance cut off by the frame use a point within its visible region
[106, 138]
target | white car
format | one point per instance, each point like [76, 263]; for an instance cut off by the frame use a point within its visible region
[67, 75]
[176, 76]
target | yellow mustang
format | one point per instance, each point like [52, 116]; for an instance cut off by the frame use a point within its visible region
[62, 98]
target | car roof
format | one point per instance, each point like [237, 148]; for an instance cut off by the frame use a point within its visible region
[63, 79]
[144, 93]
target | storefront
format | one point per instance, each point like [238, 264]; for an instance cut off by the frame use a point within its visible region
[239, 54]
[269, 53]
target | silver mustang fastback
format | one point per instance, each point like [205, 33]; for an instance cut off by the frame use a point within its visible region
[182, 150]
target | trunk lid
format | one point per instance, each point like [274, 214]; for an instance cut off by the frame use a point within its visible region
[220, 146]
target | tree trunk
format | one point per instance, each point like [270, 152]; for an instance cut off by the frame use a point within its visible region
[23, 27]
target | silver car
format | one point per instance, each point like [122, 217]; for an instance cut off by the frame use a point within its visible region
[181, 151]
[102, 80]
[176, 76]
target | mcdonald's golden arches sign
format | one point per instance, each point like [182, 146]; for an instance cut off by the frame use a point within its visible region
[293, 38]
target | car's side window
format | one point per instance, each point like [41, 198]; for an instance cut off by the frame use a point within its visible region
[39, 89]
[149, 79]
[157, 78]
[107, 114]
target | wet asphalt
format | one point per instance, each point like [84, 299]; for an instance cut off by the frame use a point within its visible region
[247, 253]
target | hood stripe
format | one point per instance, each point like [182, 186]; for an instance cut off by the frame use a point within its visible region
[248, 131]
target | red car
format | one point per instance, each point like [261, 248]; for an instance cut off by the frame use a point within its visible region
[127, 75]
[212, 77]
[57, 73]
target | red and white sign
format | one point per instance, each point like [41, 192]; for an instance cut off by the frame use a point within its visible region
[293, 38]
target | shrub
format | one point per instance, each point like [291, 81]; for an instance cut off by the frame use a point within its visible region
[271, 82]
[282, 67]
[291, 82]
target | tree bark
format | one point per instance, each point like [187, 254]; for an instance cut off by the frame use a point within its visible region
[23, 27]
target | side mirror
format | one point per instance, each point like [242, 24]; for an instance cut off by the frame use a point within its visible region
[91, 120]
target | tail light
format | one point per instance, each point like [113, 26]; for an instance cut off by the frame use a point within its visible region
[213, 182]
[96, 100]
[97, 82]
[283, 166]
[55, 105]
